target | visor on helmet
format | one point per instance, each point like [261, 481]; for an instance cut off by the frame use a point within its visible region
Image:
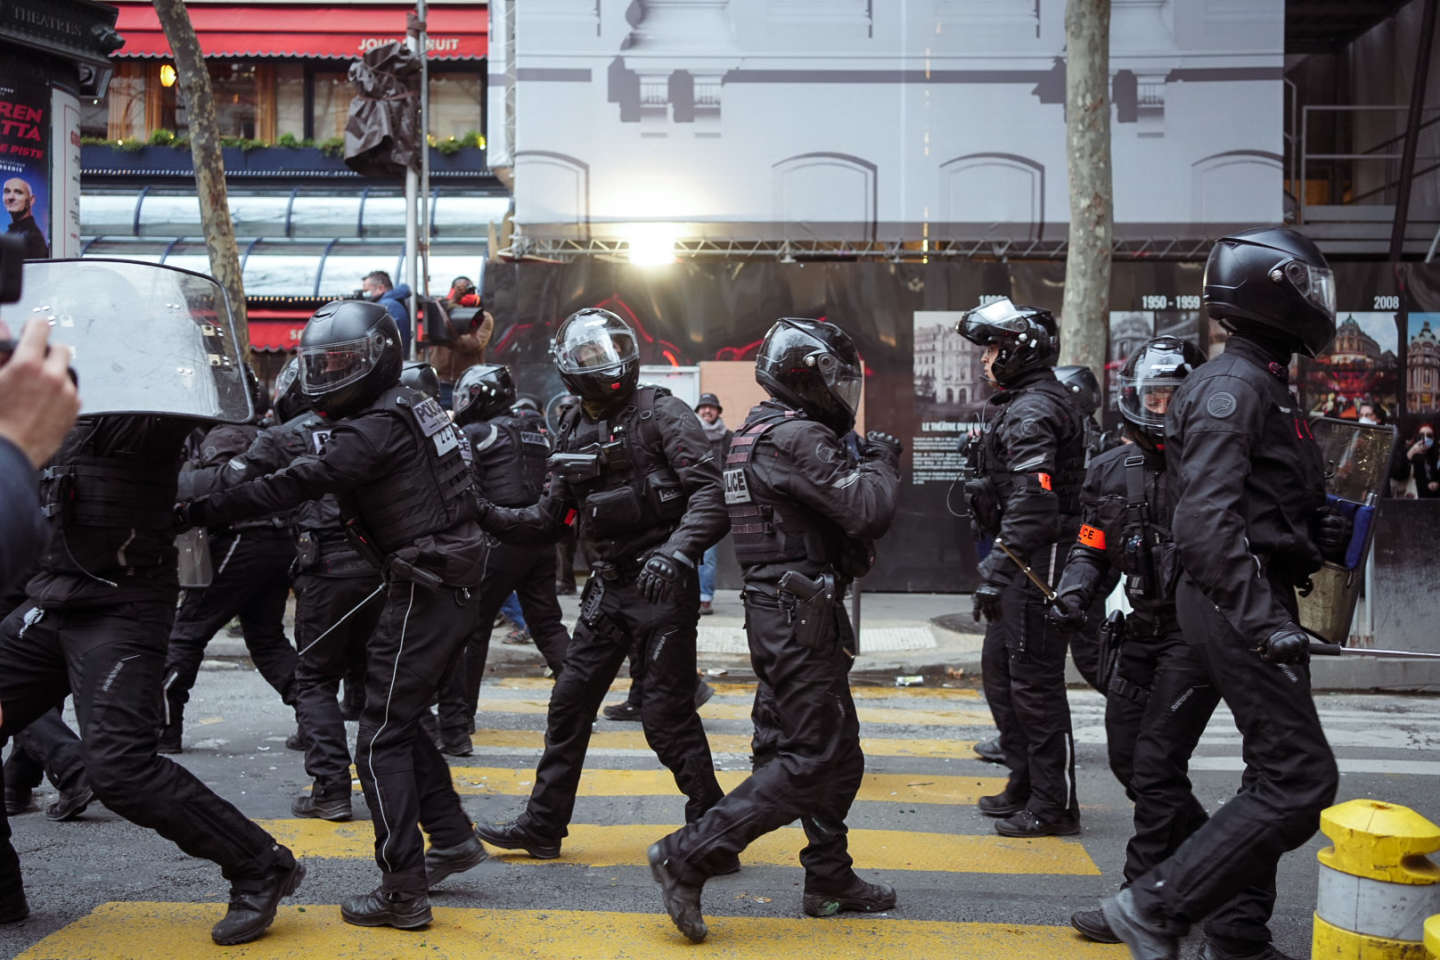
[1144, 399]
[843, 380]
[1315, 284]
[980, 325]
[325, 369]
[589, 343]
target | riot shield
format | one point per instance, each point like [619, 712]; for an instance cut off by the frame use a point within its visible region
[148, 339]
[1357, 465]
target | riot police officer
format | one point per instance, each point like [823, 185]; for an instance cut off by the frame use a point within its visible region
[252, 561]
[636, 470]
[805, 512]
[1032, 460]
[98, 616]
[1158, 697]
[1248, 485]
[402, 477]
[510, 455]
[337, 597]
[1084, 391]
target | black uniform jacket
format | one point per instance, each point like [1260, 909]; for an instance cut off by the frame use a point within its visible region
[1247, 477]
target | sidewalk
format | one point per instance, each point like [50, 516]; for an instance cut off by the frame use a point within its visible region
[902, 635]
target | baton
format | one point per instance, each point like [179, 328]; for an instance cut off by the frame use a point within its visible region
[1034, 578]
[1320, 649]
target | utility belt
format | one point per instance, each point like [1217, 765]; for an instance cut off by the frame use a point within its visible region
[809, 605]
[1118, 630]
[329, 554]
[277, 524]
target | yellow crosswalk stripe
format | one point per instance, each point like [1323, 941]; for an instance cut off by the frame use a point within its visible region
[606, 846]
[634, 739]
[622, 684]
[164, 931]
[596, 782]
[735, 711]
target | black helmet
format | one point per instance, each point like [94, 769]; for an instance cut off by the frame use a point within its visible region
[1148, 381]
[597, 356]
[259, 399]
[1083, 387]
[288, 400]
[349, 355]
[1027, 337]
[1273, 283]
[483, 391]
[419, 375]
[525, 405]
[814, 367]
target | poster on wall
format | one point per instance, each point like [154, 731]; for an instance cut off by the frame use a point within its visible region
[950, 390]
[25, 162]
[1359, 370]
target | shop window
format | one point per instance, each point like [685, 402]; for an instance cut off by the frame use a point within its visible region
[289, 99]
[332, 103]
[455, 104]
[244, 95]
[121, 115]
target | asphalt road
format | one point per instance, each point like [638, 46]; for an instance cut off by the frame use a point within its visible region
[101, 888]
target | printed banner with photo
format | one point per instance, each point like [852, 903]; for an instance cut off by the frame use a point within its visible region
[950, 392]
[25, 161]
[1359, 370]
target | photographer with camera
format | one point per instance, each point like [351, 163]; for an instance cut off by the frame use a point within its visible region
[470, 327]
[38, 405]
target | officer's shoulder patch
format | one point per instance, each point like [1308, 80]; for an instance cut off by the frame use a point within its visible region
[827, 452]
[1221, 404]
[1029, 427]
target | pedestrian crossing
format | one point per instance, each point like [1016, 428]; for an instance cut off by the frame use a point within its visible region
[964, 892]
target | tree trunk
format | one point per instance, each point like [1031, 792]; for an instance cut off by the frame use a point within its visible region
[1085, 317]
[193, 82]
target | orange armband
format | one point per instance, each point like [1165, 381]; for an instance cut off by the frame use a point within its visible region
[1092, 536]
[1044, 479]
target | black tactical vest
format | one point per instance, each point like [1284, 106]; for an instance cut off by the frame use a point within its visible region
[1147, 554]
[510, 455]
[112, 509]
[1070, 457]
[433, 490]
[767, 529]
[634, 499]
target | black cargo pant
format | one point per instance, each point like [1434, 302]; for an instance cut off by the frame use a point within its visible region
[808, 762]
[110, 658]
[406, 780]
[614, 620]
[1290, 777]
[46, 748]
[1022, 664]
[1158, 706]
[252, 581]
[527, 570]
[330, 643]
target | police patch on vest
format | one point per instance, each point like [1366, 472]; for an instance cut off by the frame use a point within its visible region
[318, 440]
[737, 489]
[535, 438]
[431, 416]
[1220, 405]
[446, 440]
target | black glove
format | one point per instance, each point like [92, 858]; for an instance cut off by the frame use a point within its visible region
[1067, 612]
[190, 513]
[883, 446]
[658, 577]
[986, 603]
[1332, 533]
[1289, 644]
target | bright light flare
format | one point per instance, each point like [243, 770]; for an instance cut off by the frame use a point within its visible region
[652, 244]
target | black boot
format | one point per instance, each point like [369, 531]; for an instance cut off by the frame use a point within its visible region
[860, 897]
[297, 741]
[441, 862]
[325, 801]
[388, 908]
[1000, 805]
[682, 900]
[71, 803]
[1093, 925]
[518, 836]
[1026, 824]
[457, 745]
[253, 903]
[13, 907]
[989, 750]
[18, 800]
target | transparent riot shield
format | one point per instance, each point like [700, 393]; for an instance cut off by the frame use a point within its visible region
[148, 339]
[1357, 464]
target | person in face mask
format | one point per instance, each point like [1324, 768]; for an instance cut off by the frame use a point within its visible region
[1422, 462]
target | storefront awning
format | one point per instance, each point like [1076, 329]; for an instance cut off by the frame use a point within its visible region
[342, 32]
[276, 330]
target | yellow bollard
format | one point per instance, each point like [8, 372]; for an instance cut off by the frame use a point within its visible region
[1432, 937]
[1376, 885]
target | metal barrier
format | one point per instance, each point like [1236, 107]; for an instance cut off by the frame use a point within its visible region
[1376, 885]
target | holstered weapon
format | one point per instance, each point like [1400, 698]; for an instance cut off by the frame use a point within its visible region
[809, 607]
[1112, 637]
[391, 567]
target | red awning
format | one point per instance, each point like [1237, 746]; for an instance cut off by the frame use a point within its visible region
[276, 330]
[340, 31]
